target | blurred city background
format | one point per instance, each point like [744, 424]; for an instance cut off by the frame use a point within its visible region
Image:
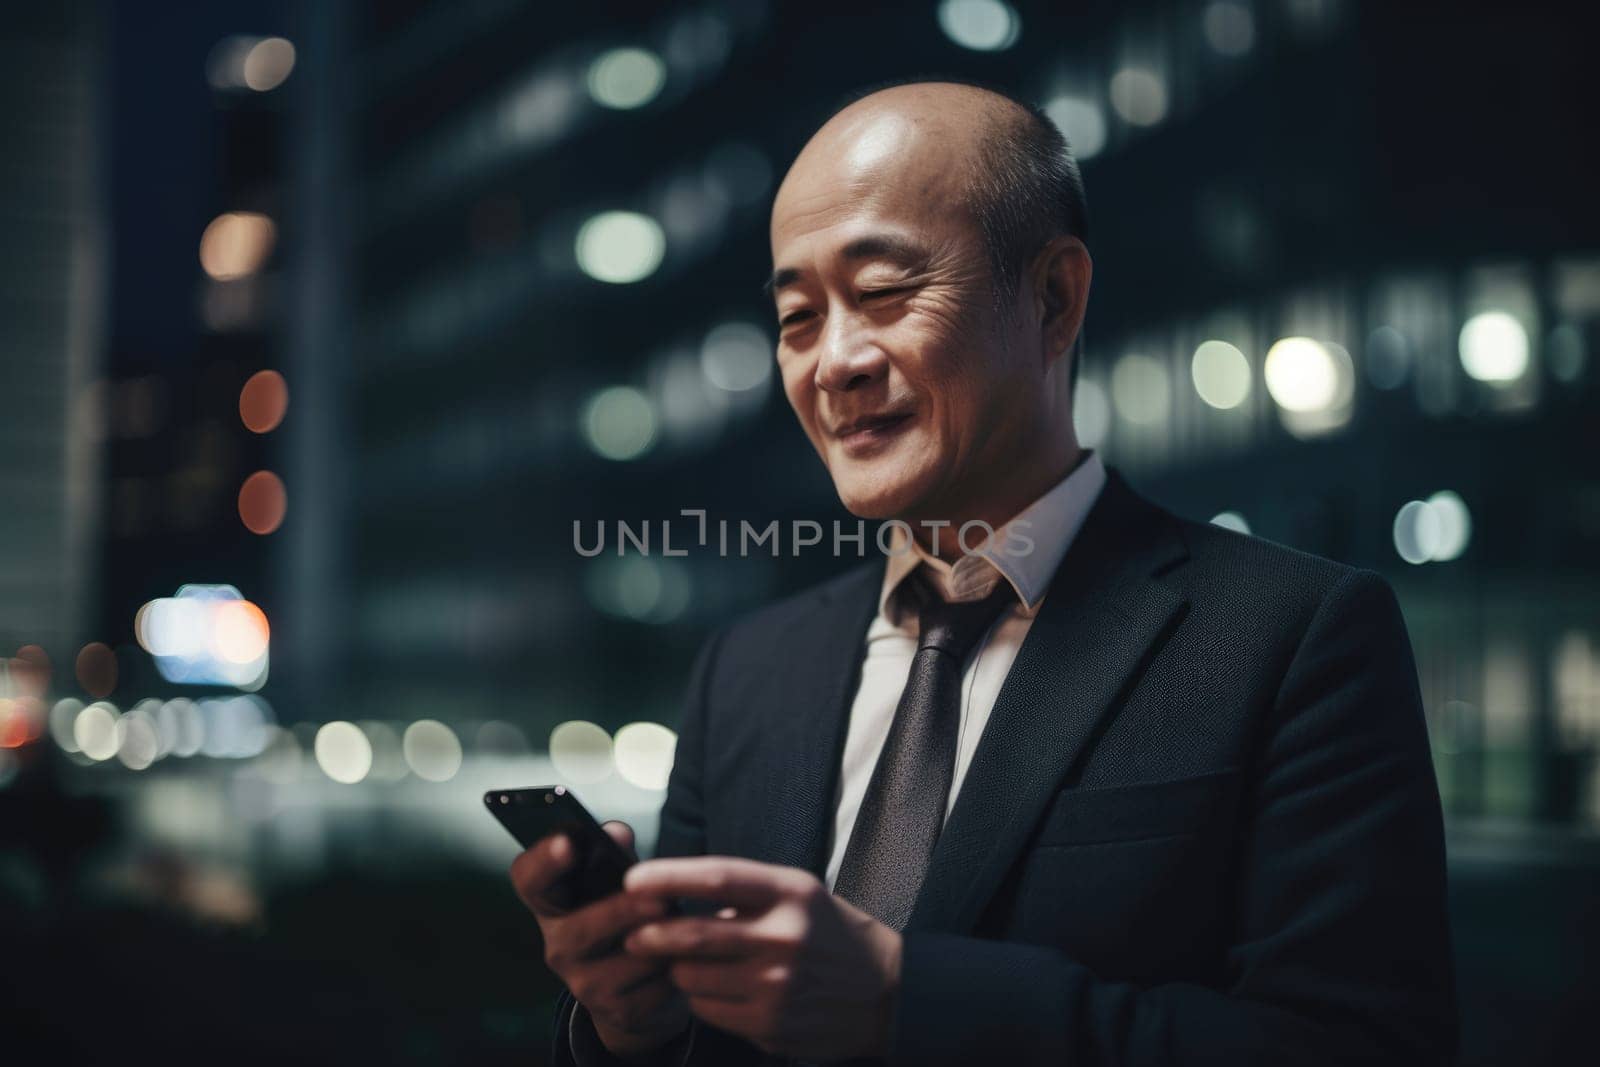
[327, 327]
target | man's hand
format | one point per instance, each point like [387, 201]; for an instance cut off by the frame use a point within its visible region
[785, 964]
[633, 1006]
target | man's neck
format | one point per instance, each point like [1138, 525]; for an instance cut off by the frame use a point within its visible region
[940, 527]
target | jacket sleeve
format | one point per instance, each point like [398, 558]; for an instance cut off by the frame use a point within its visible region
[1341, 951]
[682, 833]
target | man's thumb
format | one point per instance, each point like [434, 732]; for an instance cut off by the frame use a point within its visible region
[622, 834]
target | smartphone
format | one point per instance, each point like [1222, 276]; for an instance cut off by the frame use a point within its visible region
[534, 814]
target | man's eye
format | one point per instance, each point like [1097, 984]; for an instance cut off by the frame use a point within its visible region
[893, 290]
[794, 317]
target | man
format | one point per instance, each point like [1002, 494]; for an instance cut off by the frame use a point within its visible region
[1112, 788]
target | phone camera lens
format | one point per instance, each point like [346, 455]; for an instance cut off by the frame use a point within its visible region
[549, 798]
[504, 799]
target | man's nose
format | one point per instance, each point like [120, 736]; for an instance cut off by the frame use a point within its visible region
[850, 356]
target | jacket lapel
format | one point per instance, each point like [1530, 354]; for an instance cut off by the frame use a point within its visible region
[1104, 614]
[810, 720]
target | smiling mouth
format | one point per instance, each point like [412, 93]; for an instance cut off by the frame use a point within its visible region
[865, 433]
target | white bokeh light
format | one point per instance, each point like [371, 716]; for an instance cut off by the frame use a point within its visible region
[62, 718]
[581, 752]
[1082, 123]
[981, 25]
[1417, 532]
[643, 753]
[1091, 413]
[737, 357]
[620, 423]
[138, 744]
[343, 752]
[1139, 95]
[1494, 347]
[432, 750]
[1455, 525]
[1140, 389]
[95, 730]
[1221, 374]
[624, 78]
[1229, 27]
[620, 247]
[1301, 374]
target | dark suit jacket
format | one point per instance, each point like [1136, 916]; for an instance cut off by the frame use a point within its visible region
[1201, 827]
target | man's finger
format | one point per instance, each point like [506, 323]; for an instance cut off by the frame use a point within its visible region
[597, 929]
[622, 834]
[701, 938]
[742, 883]
[712, 981]
[536, 869]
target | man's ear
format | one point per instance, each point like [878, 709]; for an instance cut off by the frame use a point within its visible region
[1061, 278]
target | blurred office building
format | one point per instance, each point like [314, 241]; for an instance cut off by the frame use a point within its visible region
[339, 335]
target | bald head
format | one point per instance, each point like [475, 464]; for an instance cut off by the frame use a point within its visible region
[959, 147]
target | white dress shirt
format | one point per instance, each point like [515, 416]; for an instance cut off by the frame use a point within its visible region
[1050, 524]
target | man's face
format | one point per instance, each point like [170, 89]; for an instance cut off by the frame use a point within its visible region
[909, 385]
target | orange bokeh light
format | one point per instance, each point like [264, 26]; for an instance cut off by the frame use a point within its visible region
[97, 669]
[262, 502]
[263, 401]
[31, 670]
[240, 631]
[13, 725]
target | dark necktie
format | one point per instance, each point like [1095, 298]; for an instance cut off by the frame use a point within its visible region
[903, 809]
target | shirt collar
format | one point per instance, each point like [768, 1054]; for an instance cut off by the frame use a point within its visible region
[1025, 551]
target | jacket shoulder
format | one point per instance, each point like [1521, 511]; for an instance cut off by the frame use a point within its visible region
[1255, 574]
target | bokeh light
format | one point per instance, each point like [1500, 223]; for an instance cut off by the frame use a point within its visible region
[1388, 358]
[94, 731]
[432, 750]
[1229, 27]
[1455, 525]
[737, 357]
[1139, 95]
[137, 743]
[1141, 391]
[625, 78]
[31, 670]
[1417, 532]
[1494, 347]
[981, 25]
[1091, 413]
[1081, 122]
[620, 247]
[263, 401]
[63, 717]
[96, 669]
[183, 728]
[1221, 374]
[620, 423]
[268, 64]
[236, 244]
[1301, 374]
[263, 502]
[239, 631]
[643, 752]
[580, 752]
[343, 752]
